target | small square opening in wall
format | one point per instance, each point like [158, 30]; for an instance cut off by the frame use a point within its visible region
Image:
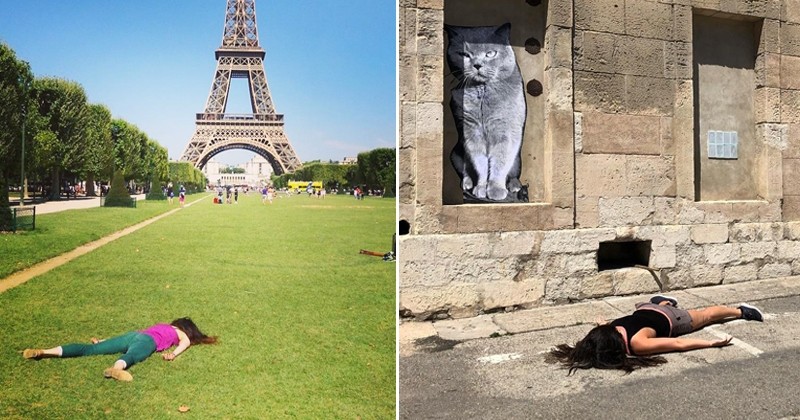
[613, 255]
[723, 144]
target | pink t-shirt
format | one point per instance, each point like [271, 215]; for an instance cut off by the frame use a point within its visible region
[164, 335]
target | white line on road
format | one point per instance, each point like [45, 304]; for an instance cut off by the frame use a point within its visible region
[499, 358]
[735, 341]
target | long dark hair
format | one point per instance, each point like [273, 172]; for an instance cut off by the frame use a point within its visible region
[602, 348]
[190, 329]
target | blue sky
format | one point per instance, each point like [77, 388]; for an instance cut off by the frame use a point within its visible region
[330, 64]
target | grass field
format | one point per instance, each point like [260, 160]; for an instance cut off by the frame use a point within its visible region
[306, 324]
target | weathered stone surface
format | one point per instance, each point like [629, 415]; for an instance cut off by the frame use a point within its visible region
[790, 39]
[504, 294]
[640, 56]
[558, 47]
[791, 208]
[575, 241]
[790, 11]
[629, 281]
[600, 15]
[768, 70]
[434, 299]
[740, 273]
[559, 82]
[430, 83]
[595, 52]
[792, 230]
[790, 106]
[408, 77]
[559, 13]
[600, 175]
[563, 289]
[599, 285]
[649, 95]
[789, 250]
[682, 23]
[663, 257]
[430, 4]
[625, 211]
[791, 174]
[721, 253]
[565, 265]
[587, 212]
[648, 19]
[757, 251]
[774, 270]
[430, 33]
[621, 134]
[790, 72]
[650, 175]
[480, 326]
[756, 232]
[510, 244]
[710, 234]
[767, 105]
[599, 92]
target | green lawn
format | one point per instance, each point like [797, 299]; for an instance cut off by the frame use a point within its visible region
[306, 324]
[57, 233]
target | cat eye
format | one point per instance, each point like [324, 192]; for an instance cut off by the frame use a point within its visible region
[464, 54]
[490, 54]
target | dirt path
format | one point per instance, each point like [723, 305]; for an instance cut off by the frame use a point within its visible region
[20, 277]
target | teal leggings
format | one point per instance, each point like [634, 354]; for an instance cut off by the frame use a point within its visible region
[135, 346]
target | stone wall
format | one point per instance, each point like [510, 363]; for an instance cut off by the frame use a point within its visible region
[620, 158]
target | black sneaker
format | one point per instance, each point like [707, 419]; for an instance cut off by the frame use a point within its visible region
[664, 298]
[751, 313]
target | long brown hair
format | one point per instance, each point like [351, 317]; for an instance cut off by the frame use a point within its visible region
[602, 348]
[190, 329]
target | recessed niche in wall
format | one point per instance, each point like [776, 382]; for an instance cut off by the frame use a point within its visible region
[614, 255]
[493, 149]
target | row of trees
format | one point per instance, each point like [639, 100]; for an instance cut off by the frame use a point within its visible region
[66, 138]
[375, 170]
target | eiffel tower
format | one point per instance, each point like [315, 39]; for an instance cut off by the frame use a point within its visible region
[262, 131]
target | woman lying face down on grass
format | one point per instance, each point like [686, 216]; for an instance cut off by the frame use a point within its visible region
[136, 346]
[629, 342]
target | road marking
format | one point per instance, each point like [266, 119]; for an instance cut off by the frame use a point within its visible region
[736, 342]
[499, 358]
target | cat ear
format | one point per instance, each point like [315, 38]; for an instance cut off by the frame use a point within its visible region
[504, 30]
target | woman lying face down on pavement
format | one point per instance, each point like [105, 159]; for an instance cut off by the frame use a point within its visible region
[629, 342]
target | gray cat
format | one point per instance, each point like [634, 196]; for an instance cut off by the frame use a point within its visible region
[488, 105]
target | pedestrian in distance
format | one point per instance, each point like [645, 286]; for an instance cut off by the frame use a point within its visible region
[236, 195]
[182, 195]
[170, 193]
[135, 346]
[629, 343]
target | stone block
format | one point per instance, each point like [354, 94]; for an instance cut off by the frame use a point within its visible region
[792, 231]
[667, 141]
[753, 251]
[559, 13]
[430, 4]
[678, 60]
[628, 281]
[600, 175]
[504, 294]
[559, 86]
[599, 285]
[563, 289]
[407, 67]
[464, 246]
[709, 234]
[430, 32]
[408, 126]
[429, 127]
[666, 211]
[626, 211]
[767, 102]
[756, 232]
[526, 243]
[418, 273]
[578, 131]
[715, 212]
[648, 19]
[690, 255]
[775, 270]
[663, 257]
[558, 47]
[587, 212]
[721, 253]
[430, 82]
[565, 265]
[575, 241]
[639, 56]
[793, 144]
[789, 250]
[770, 37]
[435, 299]
[600, 15]
[595, 52]
[771, 212]
[600, 92]
[740, 273]
[790, 39]
[707, 275]
[621, 134]
[768, 70]
[791, 173]
[649, 95]
[650, 175]
[791, 208]
[406, 159]
[791, 11]
[682, 23]
[473, 328]
[407, 31]
[790, 69]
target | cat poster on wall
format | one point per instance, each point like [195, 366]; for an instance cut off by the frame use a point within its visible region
[489, 109]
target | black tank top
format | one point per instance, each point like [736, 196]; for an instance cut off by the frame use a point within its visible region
[643, 318]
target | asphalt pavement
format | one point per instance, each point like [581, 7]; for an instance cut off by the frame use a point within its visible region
[493, 366]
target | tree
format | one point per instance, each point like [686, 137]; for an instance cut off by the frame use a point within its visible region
[64, 111]
[15, 75]
[99, 147]
[118, 194]
[377, 169]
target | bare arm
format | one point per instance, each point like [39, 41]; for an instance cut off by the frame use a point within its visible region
[645, 346]
[183, 344]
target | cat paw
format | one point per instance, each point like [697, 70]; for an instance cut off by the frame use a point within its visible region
[496, 192]
[514, 185]
[479, 191]
[466, 183]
